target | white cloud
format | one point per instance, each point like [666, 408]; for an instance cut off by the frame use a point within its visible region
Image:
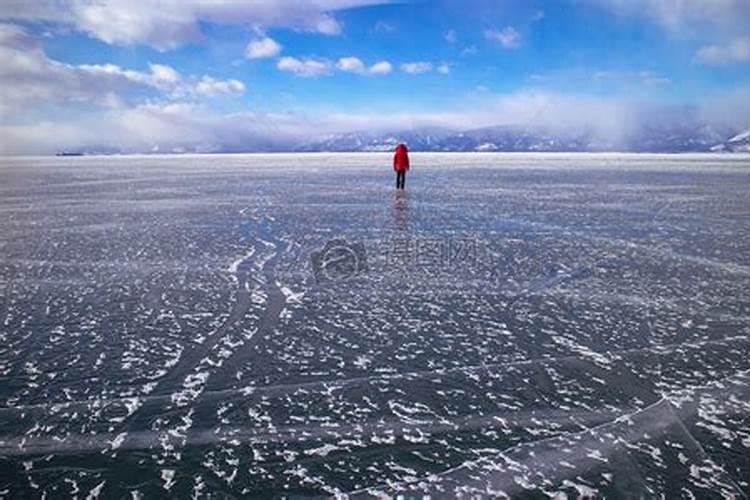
[653, 79]
[164, 73]
[450, 36]
[728, 107]
[15, 37]
[508, 37]
[383, 27]
[28, 76]
[737, 51]
[262, 48]
[444, 69]
[304, 67]
[381, 68]
[351, 65]
[416, 68]
[166, 24]
[684, 15]
[172, 127]
[211, 87]
[355, 65]
[327, 25]
[607, 116]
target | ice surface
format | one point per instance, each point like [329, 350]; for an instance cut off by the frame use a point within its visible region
[511, 325]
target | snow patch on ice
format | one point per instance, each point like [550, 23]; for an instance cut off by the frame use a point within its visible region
[167, 475]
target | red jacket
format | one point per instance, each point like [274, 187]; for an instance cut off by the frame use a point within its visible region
[401, 159]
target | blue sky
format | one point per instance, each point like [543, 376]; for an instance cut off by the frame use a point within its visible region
[185, 75]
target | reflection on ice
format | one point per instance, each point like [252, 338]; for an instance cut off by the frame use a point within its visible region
[401, 210]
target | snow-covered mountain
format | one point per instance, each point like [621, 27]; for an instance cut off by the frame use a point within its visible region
[652, 137]
[739, 143]
[679, 137]
[500, 138]
[425, 139]
[513, 138]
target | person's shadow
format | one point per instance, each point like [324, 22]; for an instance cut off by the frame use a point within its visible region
[401, 210]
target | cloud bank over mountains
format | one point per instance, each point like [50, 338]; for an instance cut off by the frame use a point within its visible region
[186, 127]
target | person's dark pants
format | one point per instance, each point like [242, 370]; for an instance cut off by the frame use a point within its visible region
[400, 179]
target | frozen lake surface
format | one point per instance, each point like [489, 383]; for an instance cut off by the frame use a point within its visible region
[276, 325]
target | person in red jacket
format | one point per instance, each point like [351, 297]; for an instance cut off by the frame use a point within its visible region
[401, 165]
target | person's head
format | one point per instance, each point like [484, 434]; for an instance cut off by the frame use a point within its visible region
[402, 146]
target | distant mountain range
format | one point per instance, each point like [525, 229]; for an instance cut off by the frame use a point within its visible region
[652, 138]
[675, 136]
